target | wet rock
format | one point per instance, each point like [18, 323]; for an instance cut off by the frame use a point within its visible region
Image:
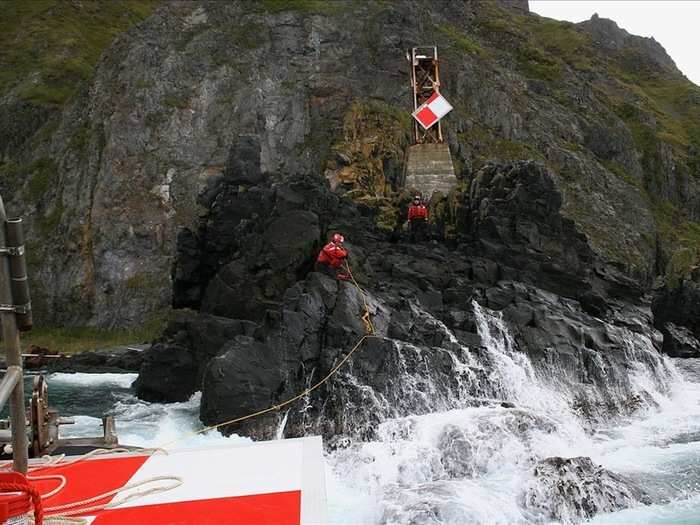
[434, 504]
[242, 377]
[419, 365]
[572, 490]
[319, 321]
[471, 449]
[680, 306]
[167, 375]
[679, 341]
[585, 320]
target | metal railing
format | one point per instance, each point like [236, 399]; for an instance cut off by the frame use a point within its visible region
[13, 284]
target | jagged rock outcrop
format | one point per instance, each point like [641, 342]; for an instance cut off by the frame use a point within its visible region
[677, 314]
[168, 374]
[679, 341]
[173, 368]
[572, 490]
[584, 317]
[515, 213]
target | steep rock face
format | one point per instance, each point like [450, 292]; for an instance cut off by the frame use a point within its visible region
[611, 37]
[677, 315]
[205, 91]
[679, 341]
[584, 318]
[514, 212]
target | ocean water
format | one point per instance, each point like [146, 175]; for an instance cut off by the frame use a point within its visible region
[461, 466]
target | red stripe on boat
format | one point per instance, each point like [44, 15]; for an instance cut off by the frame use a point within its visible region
[88, 478]
[281, 508]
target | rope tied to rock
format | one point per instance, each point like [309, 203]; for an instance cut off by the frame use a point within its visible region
[63, 514]
[370, 333]
[366, 317]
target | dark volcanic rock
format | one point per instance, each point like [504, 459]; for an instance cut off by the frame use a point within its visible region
[577, 317]
[515, 212]
[241, 380]
[572, 490]
[252, 245]
[319, 321]
[679, 341]
[279, 257]
[173, 366]
[243, 166]
[205, 107]
[168, 374]
[679, 307]
[591, 354]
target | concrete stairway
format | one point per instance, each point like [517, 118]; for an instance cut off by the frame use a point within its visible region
[429, 168]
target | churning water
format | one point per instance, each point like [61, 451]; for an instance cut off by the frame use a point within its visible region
[468, 464]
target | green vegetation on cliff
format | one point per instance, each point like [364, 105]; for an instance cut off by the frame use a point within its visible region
[607, 112]
[305, 6]
[69, 340]
[369, 157]
[48, 47]
[659, 107]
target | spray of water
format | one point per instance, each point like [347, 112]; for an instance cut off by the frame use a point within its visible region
[467, 463]
[448, 452]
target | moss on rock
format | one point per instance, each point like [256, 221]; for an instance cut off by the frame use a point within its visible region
[49, 47]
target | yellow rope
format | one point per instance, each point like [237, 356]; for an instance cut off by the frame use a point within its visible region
[62, 513]
[369, 327]
[370, 333]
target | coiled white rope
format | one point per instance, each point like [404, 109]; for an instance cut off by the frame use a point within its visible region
[78, 507]
[61, 514]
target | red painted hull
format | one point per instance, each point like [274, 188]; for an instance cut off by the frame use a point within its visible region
[272, 483]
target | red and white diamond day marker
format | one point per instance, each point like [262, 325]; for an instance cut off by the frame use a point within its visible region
[432, 110]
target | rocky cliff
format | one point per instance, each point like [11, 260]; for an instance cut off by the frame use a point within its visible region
[110, 157]
[216, 145]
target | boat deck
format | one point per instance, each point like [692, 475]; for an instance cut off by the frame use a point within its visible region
[276, 482]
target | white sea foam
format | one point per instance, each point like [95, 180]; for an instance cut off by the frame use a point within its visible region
[87, 380]
[143, 424]
[469, 465]
[679, 512]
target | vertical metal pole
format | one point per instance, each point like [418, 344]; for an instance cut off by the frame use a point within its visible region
[437, 87]
[13, 357]
[414, 85]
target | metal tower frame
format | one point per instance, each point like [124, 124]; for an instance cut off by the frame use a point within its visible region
[425, 80]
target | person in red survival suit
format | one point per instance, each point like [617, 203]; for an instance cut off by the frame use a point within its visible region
[417, 219]
[331, 258]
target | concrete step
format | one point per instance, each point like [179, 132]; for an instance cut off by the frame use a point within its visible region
[429, 169]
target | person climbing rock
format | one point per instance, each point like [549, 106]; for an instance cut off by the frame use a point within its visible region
[331, 258]
[417, 220]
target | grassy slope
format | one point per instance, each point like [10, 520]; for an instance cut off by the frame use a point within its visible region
[549, 51]
[69, 340]
[49, 47]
